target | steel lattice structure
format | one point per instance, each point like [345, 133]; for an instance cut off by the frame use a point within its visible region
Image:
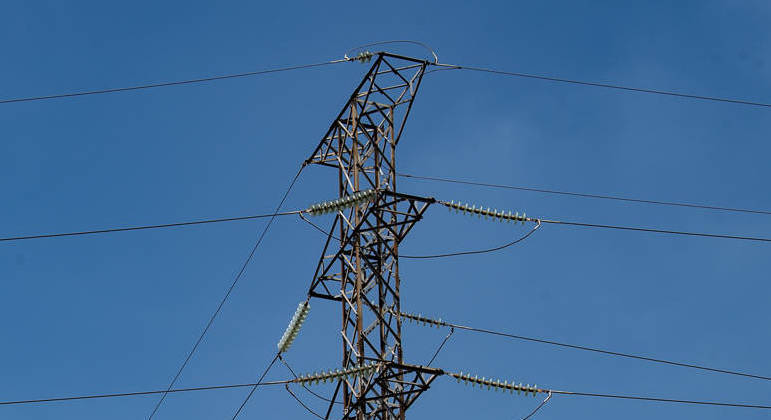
[362, 271]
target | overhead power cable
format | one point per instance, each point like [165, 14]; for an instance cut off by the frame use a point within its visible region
[432, 256]
[137, 393]
[439, 322]
[585, 195]
[229, 291]
[131, 228]
[534, 390]
[251, 391]
[172, 83]
[516, 217]
[606, 85]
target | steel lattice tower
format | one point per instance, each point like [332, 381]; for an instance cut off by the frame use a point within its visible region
[362, 270]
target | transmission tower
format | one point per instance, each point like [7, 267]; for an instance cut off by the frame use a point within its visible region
[361, 271]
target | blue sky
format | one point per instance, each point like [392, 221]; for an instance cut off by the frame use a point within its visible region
[119, 312]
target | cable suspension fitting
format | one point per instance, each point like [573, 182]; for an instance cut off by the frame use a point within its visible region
[294, 327]
[488, 213]
[341, 203]
[333, 375]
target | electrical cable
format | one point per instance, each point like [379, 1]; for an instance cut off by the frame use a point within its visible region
[230, 290]
[656, 399]
[481, 251]
[138, 393]
[548, 397]
[651, 230]
[163, 226]
[436, 353]
[301, 403]
[607, 85]
[251, 392]
[585, 195]
[425, 320]
[173, 83]
[281, 358]
[452, 254]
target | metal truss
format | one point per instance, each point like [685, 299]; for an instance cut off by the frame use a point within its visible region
[362, 271]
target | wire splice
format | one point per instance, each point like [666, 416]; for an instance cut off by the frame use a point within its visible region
[341, 203]
[488, 213]
[294, 327]
[333, 375]
[497, 384]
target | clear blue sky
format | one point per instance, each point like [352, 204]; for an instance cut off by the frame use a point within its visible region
[119, 312]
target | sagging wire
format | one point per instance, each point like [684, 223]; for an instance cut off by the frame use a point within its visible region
[481, 251]
[301, 402]
[294, 374]
[330, 206]
[436, 353]
[548, 397]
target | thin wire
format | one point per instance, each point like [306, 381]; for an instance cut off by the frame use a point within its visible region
[602, 351]
[482, 251]
[163, 226]
[265, 372]
[548, 397]
[436, 353]
[138, 393]
[585, 195]
[453, 254]
[301, 403]
[303, 385]
[164, 84]
[609, 86]
[633, 397]
[230, 290]
[671, 232]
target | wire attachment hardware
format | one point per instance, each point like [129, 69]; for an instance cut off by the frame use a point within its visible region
[336, 374]
[487, 213]
[496, 384]
[341, 203]
[294, 327]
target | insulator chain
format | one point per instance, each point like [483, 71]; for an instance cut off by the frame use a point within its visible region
[501, 215]
[336, 374]
[497, 384]
[420, 319]
[294, 327]
[341, 203]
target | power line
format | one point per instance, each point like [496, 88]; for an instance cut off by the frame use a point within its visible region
[138, 393]
[451, 254]
[656, 399]
[607, 85]
[230, 290]
[163, 226]
[251, 392]
[586, 195]
[165, 84]
[665, 231]
[425, 320]
[501, 216]
[481, 251]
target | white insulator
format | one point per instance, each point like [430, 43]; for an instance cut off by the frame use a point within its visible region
[293, 329]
